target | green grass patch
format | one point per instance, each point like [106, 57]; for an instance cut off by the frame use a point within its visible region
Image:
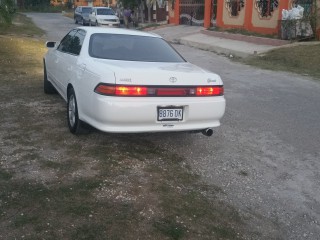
[242, 32]
[301, 59]
[21, 25]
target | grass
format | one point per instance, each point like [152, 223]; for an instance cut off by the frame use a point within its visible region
[54, 185]
[242, 32]
[301, 59]
[21, 25]
[69, 14]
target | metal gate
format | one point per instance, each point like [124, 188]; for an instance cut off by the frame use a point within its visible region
[192, 12]
[214, 6]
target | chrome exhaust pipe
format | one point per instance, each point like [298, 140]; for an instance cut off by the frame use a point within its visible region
[207, 132]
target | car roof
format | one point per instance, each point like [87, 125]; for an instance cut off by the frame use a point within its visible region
[124, 31]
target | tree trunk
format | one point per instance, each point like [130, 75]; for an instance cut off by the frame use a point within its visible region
[149, 13]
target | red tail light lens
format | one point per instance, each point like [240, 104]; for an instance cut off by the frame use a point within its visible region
[131, 91]
[140, 91]
[209, 91]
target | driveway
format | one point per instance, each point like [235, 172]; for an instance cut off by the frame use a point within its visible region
[265, 156]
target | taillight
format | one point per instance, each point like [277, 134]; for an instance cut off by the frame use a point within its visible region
[137, 91]
[210, 91]
[131, 91]
[105, 89]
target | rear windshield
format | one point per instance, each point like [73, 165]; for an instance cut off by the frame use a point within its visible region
[105, 11]
[132, 48]
[86, 10]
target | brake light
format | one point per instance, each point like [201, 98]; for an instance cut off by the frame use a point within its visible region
[131, 91]
[209, 91]
[141, 91]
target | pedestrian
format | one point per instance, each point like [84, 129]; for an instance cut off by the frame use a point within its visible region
[127, 17]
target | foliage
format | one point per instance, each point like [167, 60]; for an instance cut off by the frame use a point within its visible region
[130, 3]
[35, 5]
[22, 25]
[7, 10]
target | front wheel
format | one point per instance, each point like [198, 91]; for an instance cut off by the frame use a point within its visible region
[74, 122]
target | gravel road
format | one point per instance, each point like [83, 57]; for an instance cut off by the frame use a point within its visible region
[266, 154]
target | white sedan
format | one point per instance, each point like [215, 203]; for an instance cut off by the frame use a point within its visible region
[127, 81]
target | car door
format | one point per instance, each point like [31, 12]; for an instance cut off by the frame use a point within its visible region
[61, 61]
[72, 72]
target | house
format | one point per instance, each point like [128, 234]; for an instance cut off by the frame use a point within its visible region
[260, 16]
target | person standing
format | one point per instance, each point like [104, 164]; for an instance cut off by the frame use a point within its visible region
[126, 17]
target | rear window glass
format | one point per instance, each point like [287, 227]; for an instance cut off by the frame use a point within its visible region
[132, 48]
[105, 11]
[86, 10]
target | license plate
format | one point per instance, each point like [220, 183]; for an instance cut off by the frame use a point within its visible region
[170, 113]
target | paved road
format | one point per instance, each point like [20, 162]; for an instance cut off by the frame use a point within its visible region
[266, 154]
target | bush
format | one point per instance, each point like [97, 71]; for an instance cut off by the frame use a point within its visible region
[7, 9]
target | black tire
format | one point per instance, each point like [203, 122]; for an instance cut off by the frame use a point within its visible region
[83, 23]
[47, 86]
[74, 123]
[97, 24]
[75, 20]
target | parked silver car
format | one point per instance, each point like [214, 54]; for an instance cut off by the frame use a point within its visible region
[103, 16]
[81, 15]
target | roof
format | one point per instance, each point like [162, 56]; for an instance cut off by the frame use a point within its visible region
[102, 7]
[124, 31]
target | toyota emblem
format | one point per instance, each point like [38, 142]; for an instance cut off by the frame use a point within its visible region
[173, 79]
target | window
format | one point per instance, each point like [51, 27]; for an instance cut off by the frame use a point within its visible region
[86, 9]
[105, 11]
[76, 43]
[132, 48]
[234, 7]
[72, 42]
[266, 7]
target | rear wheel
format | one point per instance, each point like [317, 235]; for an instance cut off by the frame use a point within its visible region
[74, 123]
[47, 86]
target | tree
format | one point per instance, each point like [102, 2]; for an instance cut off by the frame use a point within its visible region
[7, 10]
[134, 5]
[149, 4]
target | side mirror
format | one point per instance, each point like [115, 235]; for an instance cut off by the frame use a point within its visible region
[50, 44]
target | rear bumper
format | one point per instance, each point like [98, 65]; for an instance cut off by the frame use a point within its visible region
[130, 115]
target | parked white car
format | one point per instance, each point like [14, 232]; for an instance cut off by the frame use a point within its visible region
[103, 16]
[126, 81]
